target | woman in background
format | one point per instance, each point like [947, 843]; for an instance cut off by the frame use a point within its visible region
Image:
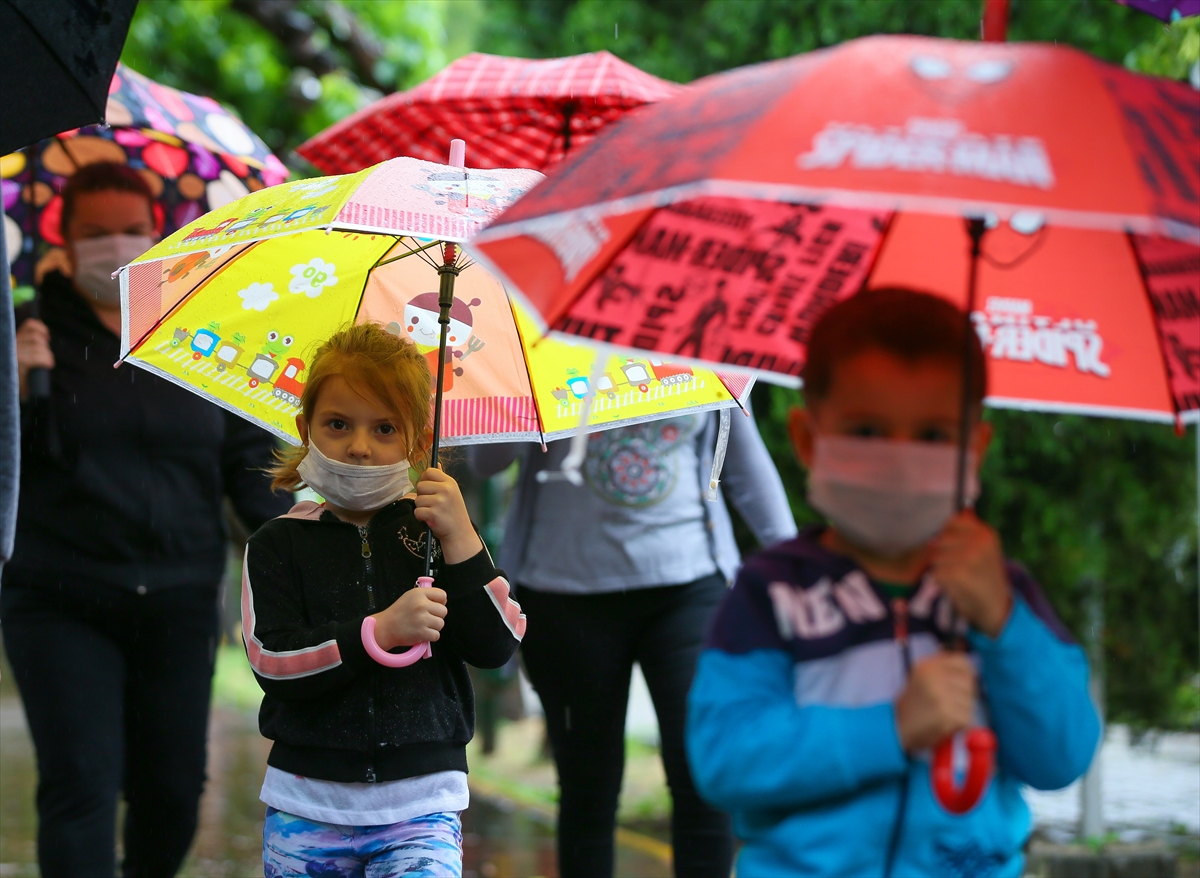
[109, 604]
[629, 568]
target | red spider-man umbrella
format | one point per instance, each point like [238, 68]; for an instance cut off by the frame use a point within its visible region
[517, 112]
[721, 224]
[761, 196]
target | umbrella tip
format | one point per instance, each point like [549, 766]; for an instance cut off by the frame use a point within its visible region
[458, 153]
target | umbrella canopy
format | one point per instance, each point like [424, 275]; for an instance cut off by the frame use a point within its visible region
[233, 305]
[1167, 10]
[194, 155]
[57, 62]
[521, 112]
[719, 225]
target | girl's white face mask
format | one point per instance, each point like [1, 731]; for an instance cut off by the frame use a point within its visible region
[351, 486]
[97, 258]
[884, 496]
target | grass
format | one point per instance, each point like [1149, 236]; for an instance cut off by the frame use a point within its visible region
[233, 681]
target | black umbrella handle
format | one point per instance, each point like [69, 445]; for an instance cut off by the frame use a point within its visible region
[448, 271]
[37, 383]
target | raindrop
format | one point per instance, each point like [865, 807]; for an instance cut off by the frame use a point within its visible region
[1059, 428]
[615, 26]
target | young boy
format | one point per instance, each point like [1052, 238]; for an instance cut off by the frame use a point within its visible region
[826, 686]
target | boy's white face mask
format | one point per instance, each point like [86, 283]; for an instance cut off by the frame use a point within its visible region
[884, 496]
[351, 486]
[95, 260]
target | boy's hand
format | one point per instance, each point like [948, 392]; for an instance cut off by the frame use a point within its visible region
[417, 616]
[938, 701]
[440, 505]
[968, 564]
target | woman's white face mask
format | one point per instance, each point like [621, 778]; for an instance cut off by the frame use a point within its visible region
[886, 496]
[351, 486]
[95, 260]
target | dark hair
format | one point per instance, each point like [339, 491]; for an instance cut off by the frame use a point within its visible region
[907, 324]
[103, 177]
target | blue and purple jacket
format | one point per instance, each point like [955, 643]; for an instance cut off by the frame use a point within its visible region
[791, 726]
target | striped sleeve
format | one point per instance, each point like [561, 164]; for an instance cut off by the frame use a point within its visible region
[290, 659]
[483, 622]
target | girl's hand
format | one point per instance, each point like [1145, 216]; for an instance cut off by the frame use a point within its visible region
[440, 505]
[417, 616]
[968, 564]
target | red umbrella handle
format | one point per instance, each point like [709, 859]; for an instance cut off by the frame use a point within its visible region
[981, 750]
[401, 659]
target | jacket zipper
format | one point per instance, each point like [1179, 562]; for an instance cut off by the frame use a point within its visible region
[900, 632]
[364, 535]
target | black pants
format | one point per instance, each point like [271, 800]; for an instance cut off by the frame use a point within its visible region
[579, 651]
[116, 689]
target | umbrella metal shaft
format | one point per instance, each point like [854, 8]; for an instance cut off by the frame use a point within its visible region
[975, 229]
[448, 272]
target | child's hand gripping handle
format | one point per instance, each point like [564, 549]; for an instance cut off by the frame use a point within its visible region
[395, 660]
[981, 762]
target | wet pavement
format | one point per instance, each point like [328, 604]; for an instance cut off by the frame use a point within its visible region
[1151, 790]
[499, 839]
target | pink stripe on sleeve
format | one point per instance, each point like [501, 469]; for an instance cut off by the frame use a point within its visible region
[289, 664]
[498, 590]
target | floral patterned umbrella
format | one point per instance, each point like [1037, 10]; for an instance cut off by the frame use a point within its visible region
[195, 155]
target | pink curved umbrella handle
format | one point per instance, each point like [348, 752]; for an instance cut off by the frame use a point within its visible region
[458, 153]
[397, 660]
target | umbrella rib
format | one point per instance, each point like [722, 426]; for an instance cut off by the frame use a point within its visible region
[411, 252]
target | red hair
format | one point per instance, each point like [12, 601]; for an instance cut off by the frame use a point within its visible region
[379, 366]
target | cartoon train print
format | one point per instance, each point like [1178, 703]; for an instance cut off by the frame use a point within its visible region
[206, 343]
[670, 373]
[227, 353]
[287, 387]
[632, 374]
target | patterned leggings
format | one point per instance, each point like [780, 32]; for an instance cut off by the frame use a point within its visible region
[424, 847]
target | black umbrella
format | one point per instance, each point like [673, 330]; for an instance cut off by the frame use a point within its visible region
[58, 59]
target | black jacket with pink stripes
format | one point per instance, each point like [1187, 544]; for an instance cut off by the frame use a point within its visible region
[308, 581]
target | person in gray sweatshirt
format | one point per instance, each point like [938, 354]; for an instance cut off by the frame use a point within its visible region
[629, 567]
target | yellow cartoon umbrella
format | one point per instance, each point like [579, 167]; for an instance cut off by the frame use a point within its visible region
[233, 305]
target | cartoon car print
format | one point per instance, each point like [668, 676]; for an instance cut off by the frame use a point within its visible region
[203, 343]
[578, 385]
[669, 373]
[636, 373]
[261, 370]
[179, 336]
[215, 230]
[632, 374]
[227, 354]
[287, 387]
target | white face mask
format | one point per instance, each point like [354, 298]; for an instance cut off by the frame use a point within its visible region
[351, 486]
[97, 258]
[884, 496]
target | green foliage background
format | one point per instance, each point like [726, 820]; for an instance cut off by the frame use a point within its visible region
[1085, 503]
